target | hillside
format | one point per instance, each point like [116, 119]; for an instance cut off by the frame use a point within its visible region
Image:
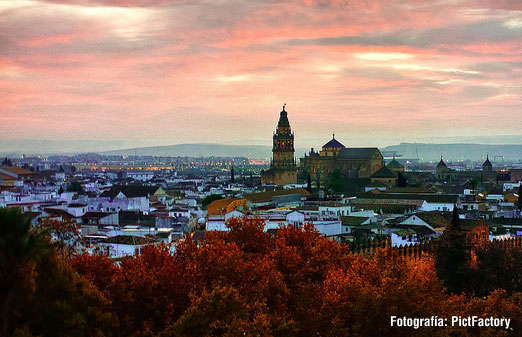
[198, 150]
[474, 152]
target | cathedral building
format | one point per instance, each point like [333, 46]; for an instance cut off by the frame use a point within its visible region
[350, 162]
[283, 169]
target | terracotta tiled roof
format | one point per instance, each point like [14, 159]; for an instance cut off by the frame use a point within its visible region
[4, 176]
[17, 170]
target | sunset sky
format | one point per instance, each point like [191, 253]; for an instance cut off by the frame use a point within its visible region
[167, 72]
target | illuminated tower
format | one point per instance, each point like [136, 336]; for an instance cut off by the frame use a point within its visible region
[283, 169]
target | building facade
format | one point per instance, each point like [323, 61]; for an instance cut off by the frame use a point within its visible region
[283, 169]
[351, 162]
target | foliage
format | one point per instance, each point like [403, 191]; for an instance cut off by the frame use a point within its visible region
[20, 247]
[66, 235]
[7, 162]
[453, 257]
[498, 268]
[247, 282]
[61, 303]
[40, 293]
[207, 200]
[75, 186]
[401, 180]
[335, 181]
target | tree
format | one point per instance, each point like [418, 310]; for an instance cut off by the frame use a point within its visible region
[66, 235]
[213, 197]
[222, 311]
[247, 282]
[61, 303]
[335, 182]
[7, 162]
[401, 181]
[232, 178]
[20, 247]
[75, 186]
[474, 184]
[73, 169]
[309, 183]
[97, 269]
[452, 256]
[60, 191]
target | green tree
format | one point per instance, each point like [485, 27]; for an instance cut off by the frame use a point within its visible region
[335, 182]
[20, 247]
[401, 180]
[61, 303]
[452, 256]
[75, 186]
[213, 197]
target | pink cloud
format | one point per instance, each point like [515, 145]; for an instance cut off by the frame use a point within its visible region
[208, 69]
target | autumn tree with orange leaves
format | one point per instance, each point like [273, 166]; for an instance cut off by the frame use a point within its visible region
[244, 282]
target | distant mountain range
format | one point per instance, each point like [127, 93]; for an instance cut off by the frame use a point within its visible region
[426, 150]
[197, 150]
[475, 152]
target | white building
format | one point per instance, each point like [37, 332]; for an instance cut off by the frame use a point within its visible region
[326, 226]
[140, 175]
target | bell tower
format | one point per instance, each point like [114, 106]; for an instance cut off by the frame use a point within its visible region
[283, 169]
[283, 143]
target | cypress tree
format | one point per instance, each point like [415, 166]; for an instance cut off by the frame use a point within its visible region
[452, 257]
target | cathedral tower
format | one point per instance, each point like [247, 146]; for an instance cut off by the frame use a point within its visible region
[283, 169]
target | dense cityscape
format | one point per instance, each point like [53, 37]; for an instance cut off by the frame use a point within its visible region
[351, 195]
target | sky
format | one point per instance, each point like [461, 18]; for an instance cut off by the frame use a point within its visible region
[158, 72]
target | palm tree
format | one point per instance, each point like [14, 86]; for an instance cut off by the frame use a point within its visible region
[19, 245]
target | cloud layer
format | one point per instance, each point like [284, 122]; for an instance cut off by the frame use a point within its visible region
[218, 71]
